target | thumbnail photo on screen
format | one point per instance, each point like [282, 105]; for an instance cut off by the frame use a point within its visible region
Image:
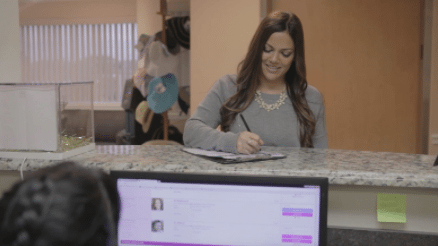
[157, 203]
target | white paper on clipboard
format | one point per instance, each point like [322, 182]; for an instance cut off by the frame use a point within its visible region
[231, 156]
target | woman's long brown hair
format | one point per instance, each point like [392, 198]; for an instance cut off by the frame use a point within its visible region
[250, 70]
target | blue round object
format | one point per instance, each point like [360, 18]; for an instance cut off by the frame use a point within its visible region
[163, 93]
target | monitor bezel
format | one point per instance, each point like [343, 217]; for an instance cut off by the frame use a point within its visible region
[240, 179]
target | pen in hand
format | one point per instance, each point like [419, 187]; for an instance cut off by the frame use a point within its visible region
[244, 122]
[251, 139]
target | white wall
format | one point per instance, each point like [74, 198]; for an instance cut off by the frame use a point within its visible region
[64, 12]
[148, 21]
[220, 33]
[10, 66]
[355, 206]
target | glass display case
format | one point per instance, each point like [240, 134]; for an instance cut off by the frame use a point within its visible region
[46, 120]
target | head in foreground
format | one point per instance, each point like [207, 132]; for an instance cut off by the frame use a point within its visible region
[64, 204]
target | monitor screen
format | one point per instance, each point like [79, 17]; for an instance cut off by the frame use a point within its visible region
[199, 210]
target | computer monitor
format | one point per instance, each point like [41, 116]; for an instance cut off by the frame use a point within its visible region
[181, 209]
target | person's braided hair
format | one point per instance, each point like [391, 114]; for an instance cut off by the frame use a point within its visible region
[61, 205]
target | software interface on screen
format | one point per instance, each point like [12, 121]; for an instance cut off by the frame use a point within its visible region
[157, 213]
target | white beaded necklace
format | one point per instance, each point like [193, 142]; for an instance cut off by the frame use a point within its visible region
[269, 107]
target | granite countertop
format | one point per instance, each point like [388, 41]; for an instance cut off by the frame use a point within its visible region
[342, 167]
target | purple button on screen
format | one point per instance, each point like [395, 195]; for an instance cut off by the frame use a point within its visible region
[296, 236]
[297, 210]
[298, 214]
[289, 240]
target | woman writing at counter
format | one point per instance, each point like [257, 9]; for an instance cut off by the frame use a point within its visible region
[270, 91]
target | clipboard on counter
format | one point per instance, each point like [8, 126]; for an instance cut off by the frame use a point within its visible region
[230, 158]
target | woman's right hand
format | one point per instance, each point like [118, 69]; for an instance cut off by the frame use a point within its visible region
[248, 143]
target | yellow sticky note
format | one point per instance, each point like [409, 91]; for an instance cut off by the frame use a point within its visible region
[391, 207]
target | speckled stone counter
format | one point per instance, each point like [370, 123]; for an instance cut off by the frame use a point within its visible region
[355, 178]
[342, 167]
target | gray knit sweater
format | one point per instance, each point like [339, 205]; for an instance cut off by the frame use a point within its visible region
[278, 127]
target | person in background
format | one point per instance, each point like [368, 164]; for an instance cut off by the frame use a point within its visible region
[64, 204]
[157, 226]
[157, 204]
[268, 102]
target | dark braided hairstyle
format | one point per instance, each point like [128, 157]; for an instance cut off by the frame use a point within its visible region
[65, 204]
